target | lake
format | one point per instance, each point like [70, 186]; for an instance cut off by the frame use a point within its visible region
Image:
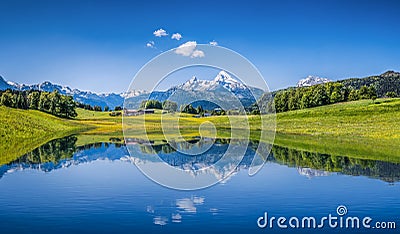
[97, 188]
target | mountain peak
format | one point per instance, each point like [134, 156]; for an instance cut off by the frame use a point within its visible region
[193, 79]
[312, 80]
[224, 77]
[390, 74]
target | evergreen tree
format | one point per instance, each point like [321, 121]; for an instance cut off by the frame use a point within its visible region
[33, 100]
[6, 98]
[169, 106]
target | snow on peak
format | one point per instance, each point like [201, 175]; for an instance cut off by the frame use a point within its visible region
[224, 79]
[12, 83]
[133, 93]
[312, 80]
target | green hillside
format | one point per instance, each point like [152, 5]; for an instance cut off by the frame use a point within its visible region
[384, 83]
[24, 130]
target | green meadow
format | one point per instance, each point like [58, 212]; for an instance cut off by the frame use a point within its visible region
[359, 129]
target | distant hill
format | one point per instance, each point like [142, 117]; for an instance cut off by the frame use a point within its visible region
[386, 82]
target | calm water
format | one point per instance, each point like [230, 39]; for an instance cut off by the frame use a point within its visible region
[61, 188]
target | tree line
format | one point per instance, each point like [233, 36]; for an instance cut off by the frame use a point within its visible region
[50, 102]
[171, 106]
[318, 95]
[155, 104]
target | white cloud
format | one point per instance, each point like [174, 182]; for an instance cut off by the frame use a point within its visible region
[150, 44]
[189, 49]
[197, 54]
[213, 43]
[176, 36]
[160, 33]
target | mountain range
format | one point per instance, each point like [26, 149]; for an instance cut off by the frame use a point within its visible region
[219, 89]
[223, 89]
[87, 97]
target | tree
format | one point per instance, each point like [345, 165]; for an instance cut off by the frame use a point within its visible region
[189, 109]
[143, 104]
[151, 104]
[44, 102]
[199, 109]
[295, 99]
[336, 97]
[6, 98]
[97, 108]
[33, 100]
[21, 101]
[372, 93]
[391, 94]
[54, 102]
[118, 108]
[306, 100]
[169, 106]
[354, 95]
[320, 96]
[335, 92]
[67, 107]
[364, 92]
[106, 108]
[281, 101]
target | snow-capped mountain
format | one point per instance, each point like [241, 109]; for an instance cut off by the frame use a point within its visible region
[222, 89]
[312, 80]
[222, 79]
[87, 97]
[134, 93]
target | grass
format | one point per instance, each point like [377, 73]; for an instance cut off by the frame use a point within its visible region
[24, 130]
[360, 129]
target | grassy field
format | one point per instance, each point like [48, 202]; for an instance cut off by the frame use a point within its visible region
[25, 130]
[361, 129]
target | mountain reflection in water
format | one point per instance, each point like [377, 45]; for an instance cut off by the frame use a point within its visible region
[64, 152]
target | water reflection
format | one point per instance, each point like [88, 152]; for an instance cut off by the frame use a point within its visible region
[61, 153]
[317, 164]
[123, 199]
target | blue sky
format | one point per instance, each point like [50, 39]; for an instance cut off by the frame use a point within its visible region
[100, 45]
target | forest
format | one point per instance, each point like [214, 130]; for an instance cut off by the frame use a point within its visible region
[53, 103]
